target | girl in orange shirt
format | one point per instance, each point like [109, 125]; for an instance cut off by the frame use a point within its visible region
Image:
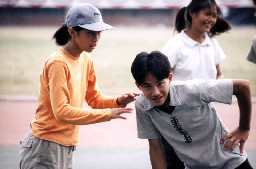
[67, 80]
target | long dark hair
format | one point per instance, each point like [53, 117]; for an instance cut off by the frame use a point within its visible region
[184, 20]
[62, 36]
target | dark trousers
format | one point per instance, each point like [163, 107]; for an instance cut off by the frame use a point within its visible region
[172, 160]
[245, 165]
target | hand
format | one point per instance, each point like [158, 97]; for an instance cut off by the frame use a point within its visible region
[127, 98]
[237, 136]
[115, 113]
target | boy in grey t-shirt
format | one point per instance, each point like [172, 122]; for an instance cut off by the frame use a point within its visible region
[183, 114]
[251, 56]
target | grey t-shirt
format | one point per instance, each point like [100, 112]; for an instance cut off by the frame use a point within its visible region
[252, 53]
[193, 129]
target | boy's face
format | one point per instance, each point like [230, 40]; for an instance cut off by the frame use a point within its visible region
[155, 91]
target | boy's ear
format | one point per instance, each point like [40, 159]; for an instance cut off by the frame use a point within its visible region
[170, 77]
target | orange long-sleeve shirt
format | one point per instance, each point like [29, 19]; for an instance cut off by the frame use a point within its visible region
[65, 83]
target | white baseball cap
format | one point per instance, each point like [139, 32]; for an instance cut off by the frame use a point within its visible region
[86, 16]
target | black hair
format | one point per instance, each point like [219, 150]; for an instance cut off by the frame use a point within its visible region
[184, 20]
[155, 63]
[254, 2]
[62, 36]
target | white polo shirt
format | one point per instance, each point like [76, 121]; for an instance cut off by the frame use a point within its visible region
[192, 60]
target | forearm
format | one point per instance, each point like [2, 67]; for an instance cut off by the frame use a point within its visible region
[81, 116]
[241, 89]
[99, 101]
[157, 157]
[219, 74]
[157, 160]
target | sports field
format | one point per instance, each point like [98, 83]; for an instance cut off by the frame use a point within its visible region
[23, 51]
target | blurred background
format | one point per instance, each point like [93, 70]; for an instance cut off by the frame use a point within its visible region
[27, 26]
[26, 30]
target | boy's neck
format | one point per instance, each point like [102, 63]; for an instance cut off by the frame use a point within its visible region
[166, 106]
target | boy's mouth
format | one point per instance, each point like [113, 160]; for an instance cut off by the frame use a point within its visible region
[157, 99]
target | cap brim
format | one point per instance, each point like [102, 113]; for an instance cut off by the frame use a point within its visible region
[97, 26]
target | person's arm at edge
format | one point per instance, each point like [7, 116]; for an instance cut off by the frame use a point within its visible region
[156, 153]
[241, 89]
[219, 74]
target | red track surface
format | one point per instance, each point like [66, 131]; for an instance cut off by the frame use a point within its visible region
[16, 115]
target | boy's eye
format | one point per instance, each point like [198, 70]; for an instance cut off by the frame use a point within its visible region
[145, 86]
[160, 83]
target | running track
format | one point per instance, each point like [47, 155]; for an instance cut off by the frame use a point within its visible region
[119, 134]
[16, 115]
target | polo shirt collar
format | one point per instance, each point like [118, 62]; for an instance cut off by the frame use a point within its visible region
[190, 42]
[174, 101]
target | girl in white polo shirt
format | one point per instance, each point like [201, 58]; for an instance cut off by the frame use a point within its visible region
[194, 53]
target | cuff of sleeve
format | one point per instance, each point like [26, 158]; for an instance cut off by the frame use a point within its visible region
[119, 105]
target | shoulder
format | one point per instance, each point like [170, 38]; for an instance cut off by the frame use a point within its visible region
[196, 92]
[55, 58]
[142, 103]
[254, 39]
[201, 82]
[173, 43]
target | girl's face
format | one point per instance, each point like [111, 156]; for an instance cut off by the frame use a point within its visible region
[204, 20]
[155, 91]
[87, 40]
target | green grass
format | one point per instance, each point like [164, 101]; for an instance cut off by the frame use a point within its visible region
[23, 51]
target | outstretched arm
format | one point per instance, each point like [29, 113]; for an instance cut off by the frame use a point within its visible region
[241, 89]
[156, 153]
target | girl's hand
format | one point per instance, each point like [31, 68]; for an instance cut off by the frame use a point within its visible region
[115, 113]
[126, 98]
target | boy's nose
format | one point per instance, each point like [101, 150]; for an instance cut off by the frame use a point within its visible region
[156, 91]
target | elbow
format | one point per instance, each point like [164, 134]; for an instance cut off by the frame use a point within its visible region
[60, 115]
[241, 87]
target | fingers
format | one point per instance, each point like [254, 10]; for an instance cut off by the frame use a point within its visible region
[133, 95]
[224, 138]
[232, 143]
[116, 113]
[127, 98]
[121, 117]
[136, 94]
[242, 148]
[124, 110]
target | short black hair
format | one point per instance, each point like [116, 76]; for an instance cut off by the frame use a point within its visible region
[155, 63]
